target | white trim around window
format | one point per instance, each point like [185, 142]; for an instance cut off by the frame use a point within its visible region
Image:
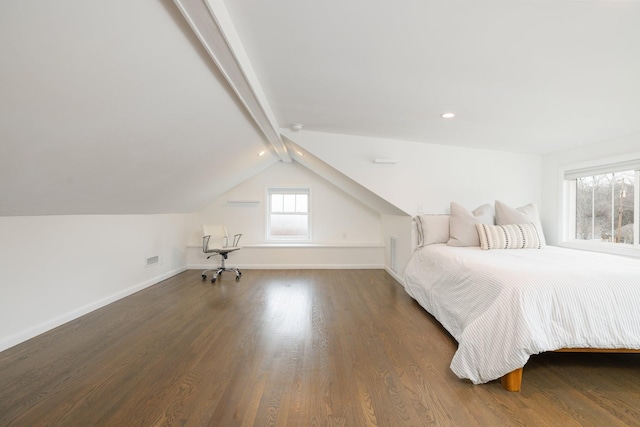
[569, 230]
[288, 214]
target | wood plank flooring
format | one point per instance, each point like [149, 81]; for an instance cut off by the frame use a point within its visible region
[289, 348]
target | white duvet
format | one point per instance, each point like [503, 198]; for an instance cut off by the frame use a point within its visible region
[504, 305]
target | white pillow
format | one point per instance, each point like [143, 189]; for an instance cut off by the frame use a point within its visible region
[511, 236]
[462, 226]
[420, 233]
[505, 214]
[432, 228]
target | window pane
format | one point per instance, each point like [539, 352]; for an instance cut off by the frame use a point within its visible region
[584, 208]
[276, 203]
[623, 206]
[289, 203]
[602, 206]
[610, 197]
[288, 214]
[289, 225]
[302, 203]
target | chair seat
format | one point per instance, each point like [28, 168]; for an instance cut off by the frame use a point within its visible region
[221, 250]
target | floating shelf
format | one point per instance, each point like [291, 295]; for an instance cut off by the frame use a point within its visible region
[243, 202]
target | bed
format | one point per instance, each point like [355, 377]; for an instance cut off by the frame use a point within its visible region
[502, 306]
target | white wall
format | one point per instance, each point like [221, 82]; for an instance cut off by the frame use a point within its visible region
[295, 257]
[429, 175]
[426, 177]
[345, 232]
[614, 149]
[400, 227]
[57, 268]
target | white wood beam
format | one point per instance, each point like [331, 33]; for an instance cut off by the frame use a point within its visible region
[338, 178]
[212, 24]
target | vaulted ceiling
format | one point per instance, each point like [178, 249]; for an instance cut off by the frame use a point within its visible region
[114, 106]
[122, 107]
[529, 76]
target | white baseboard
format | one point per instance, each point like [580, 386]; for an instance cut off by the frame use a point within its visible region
[291, 266]
[36, 330]
[394, 275]
[43, 327]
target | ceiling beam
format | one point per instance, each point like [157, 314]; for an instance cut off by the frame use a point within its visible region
[212, 24]
[338, 178]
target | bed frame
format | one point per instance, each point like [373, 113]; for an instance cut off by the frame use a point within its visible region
[513, 380]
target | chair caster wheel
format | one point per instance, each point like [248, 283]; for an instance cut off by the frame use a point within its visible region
[237, 278]
[213, 280]
[204, 277]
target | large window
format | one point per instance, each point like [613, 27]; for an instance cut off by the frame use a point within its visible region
[603, 204]
[288, 214]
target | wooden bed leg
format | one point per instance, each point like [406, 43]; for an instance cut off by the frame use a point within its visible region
[513, 380]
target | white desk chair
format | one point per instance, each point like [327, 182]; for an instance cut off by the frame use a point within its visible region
[215, 241]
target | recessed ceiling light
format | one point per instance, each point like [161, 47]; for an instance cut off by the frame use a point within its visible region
[447, 115]
[260, 154]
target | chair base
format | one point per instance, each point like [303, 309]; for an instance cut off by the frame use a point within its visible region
[219, 271]
[222, 268]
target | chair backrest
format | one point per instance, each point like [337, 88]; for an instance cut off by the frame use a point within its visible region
[217, 236]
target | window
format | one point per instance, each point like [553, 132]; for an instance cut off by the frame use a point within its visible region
[603, 205]
[288, 214]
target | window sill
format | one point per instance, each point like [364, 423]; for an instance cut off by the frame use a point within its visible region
[306, 245]
[311, 245]
[608, 248]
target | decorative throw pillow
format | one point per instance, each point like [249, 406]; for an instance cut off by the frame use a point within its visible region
[432, 228]
[462, 224]
[511, 236]
[505, 214]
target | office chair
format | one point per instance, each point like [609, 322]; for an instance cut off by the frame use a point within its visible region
[215, 241]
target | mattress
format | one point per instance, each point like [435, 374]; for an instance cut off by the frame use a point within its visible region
[502, 306]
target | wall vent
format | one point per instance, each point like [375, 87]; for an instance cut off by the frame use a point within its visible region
[151, 261]
[393, 253]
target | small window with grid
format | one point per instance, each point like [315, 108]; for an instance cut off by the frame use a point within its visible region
[288, 216]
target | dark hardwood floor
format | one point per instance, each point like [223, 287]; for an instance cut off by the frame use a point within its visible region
[298, 348]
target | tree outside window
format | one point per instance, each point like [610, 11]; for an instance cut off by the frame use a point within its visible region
[605, 206]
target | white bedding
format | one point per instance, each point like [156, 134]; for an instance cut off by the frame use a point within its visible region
[504, 305]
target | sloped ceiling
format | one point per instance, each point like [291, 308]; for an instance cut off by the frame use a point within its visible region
[355, 189]
[116, 107]
[526, 76]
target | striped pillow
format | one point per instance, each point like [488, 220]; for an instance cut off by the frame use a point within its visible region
[511, 236]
